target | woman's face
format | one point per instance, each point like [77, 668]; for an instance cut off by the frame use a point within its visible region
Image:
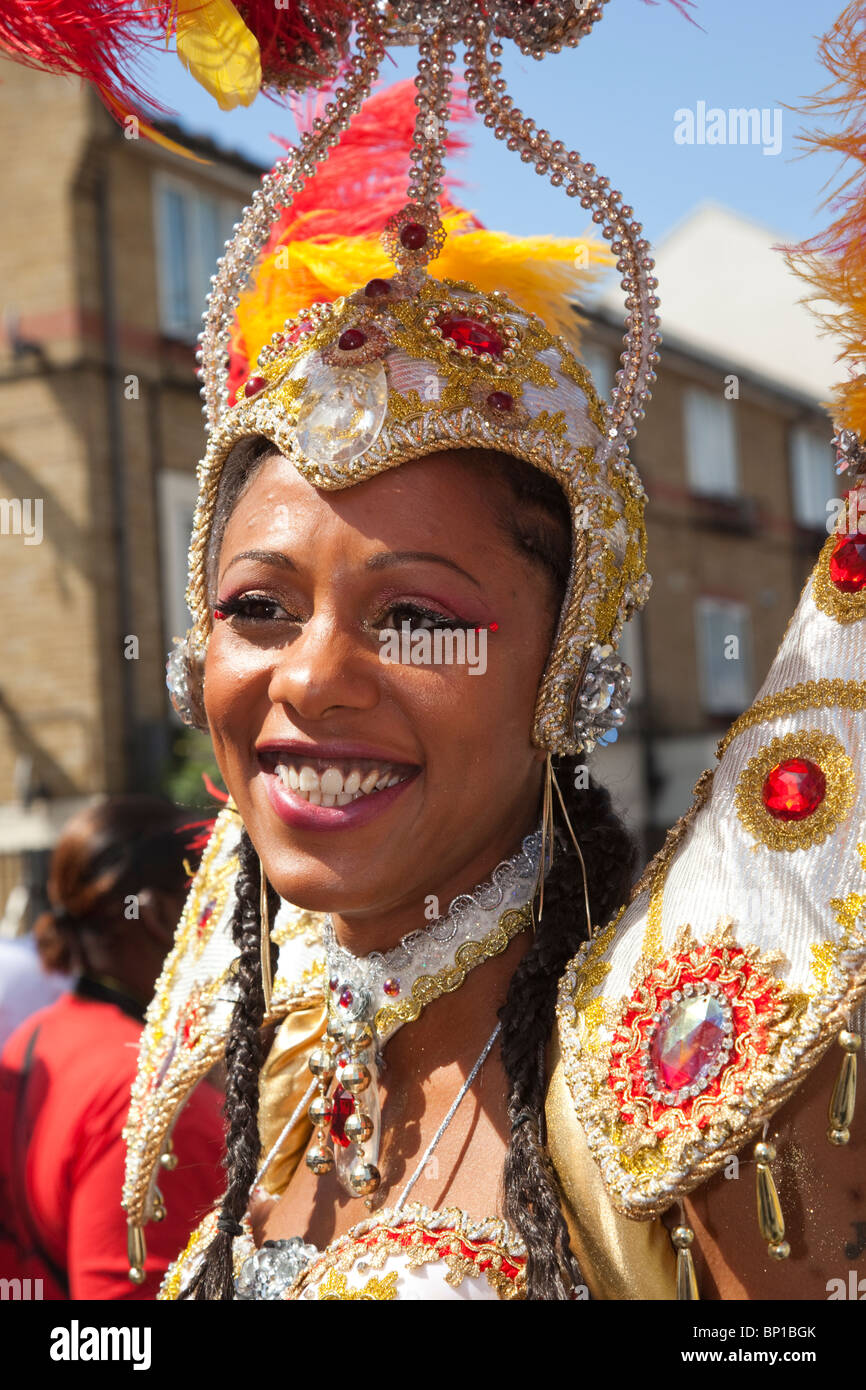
[303, 709]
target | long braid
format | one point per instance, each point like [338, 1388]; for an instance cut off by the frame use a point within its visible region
[244, 1058]
[532, 1193]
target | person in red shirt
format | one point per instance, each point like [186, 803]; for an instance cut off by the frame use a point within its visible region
[117, 886]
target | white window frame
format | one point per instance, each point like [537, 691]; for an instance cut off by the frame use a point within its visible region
[813, 476]
[710, 432]
[199, 266]
[176, 496]
[731, 694]
[598, 362]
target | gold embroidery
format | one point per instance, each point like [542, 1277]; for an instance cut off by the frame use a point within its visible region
[429, 987]
[335, 1287]
[838, 770]
[820, 694]
[844, 608]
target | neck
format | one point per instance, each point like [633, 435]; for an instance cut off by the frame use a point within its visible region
[362, 934]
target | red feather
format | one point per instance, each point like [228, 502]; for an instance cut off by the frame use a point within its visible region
[360, 185]
[97, 41]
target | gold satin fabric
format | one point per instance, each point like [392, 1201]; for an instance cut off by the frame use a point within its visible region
[619, 1258]
[284, 1078]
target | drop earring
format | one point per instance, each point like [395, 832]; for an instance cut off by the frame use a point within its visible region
[265, 947]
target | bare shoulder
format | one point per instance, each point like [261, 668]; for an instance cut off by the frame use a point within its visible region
[822, 1192]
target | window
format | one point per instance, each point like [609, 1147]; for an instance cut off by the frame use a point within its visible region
[813, 477]
[724, 655]
[711, 445]
[597, 362]
[192, 229]
[630, 651]
[177, 495]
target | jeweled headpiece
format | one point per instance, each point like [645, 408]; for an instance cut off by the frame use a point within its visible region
[408, 364]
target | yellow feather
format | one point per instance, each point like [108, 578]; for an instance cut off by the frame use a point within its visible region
[543, 275]
[219, 51]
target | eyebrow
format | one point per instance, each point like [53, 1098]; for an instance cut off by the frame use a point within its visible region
[385, 559]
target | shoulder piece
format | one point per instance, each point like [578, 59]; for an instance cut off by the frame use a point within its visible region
[188, 1020]
[689, 1020]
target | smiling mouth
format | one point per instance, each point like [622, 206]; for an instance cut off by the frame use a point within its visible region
[334, 781]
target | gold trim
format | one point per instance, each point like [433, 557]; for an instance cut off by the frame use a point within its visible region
[335, 1288]
[429, 987]
[844, 608]
[645, 1185]
[820, 694]
[838, 770]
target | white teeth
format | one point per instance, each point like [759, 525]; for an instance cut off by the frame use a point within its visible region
[330, 788]
[308, 780]
[331, 781]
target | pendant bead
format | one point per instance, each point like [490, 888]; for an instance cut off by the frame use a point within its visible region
[358, 1128]
[354, 1077]
[322, 1064]
[364, 1178]
[320, 1160]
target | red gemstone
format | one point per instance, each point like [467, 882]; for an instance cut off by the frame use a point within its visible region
[346, 998]
[391, 986]
[687, 1042]
[471, 333]
[501, 400]
[254, 384]
[333, 982]
[374, 289]
[794, 789]
[344, 1106]
[848, 564]
[413, 236]
[350, 340]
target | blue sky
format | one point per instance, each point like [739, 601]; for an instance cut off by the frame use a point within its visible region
[615, 99]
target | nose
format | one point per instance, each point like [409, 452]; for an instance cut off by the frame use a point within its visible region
[326, 668]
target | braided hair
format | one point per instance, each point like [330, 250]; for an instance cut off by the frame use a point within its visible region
[540, 527]
[244, 1057]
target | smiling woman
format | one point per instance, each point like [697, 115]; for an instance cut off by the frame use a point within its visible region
[370, 789]
[404, 936]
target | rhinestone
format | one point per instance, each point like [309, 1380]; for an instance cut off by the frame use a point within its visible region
[794, 789]
[688, 1042]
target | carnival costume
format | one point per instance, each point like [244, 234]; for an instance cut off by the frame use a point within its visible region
[684, 1024]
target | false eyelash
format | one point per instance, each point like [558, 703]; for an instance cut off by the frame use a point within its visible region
[437, 619]
[238, 607]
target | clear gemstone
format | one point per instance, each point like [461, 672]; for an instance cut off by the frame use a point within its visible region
[342, 411]
[688, 1041]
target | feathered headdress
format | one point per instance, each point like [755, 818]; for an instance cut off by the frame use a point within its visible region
[833, 263]
[329, 240]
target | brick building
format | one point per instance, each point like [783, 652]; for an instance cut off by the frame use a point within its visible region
[108, 243]
[107, 247]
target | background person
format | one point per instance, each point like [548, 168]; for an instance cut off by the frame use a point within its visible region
[117, 886]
